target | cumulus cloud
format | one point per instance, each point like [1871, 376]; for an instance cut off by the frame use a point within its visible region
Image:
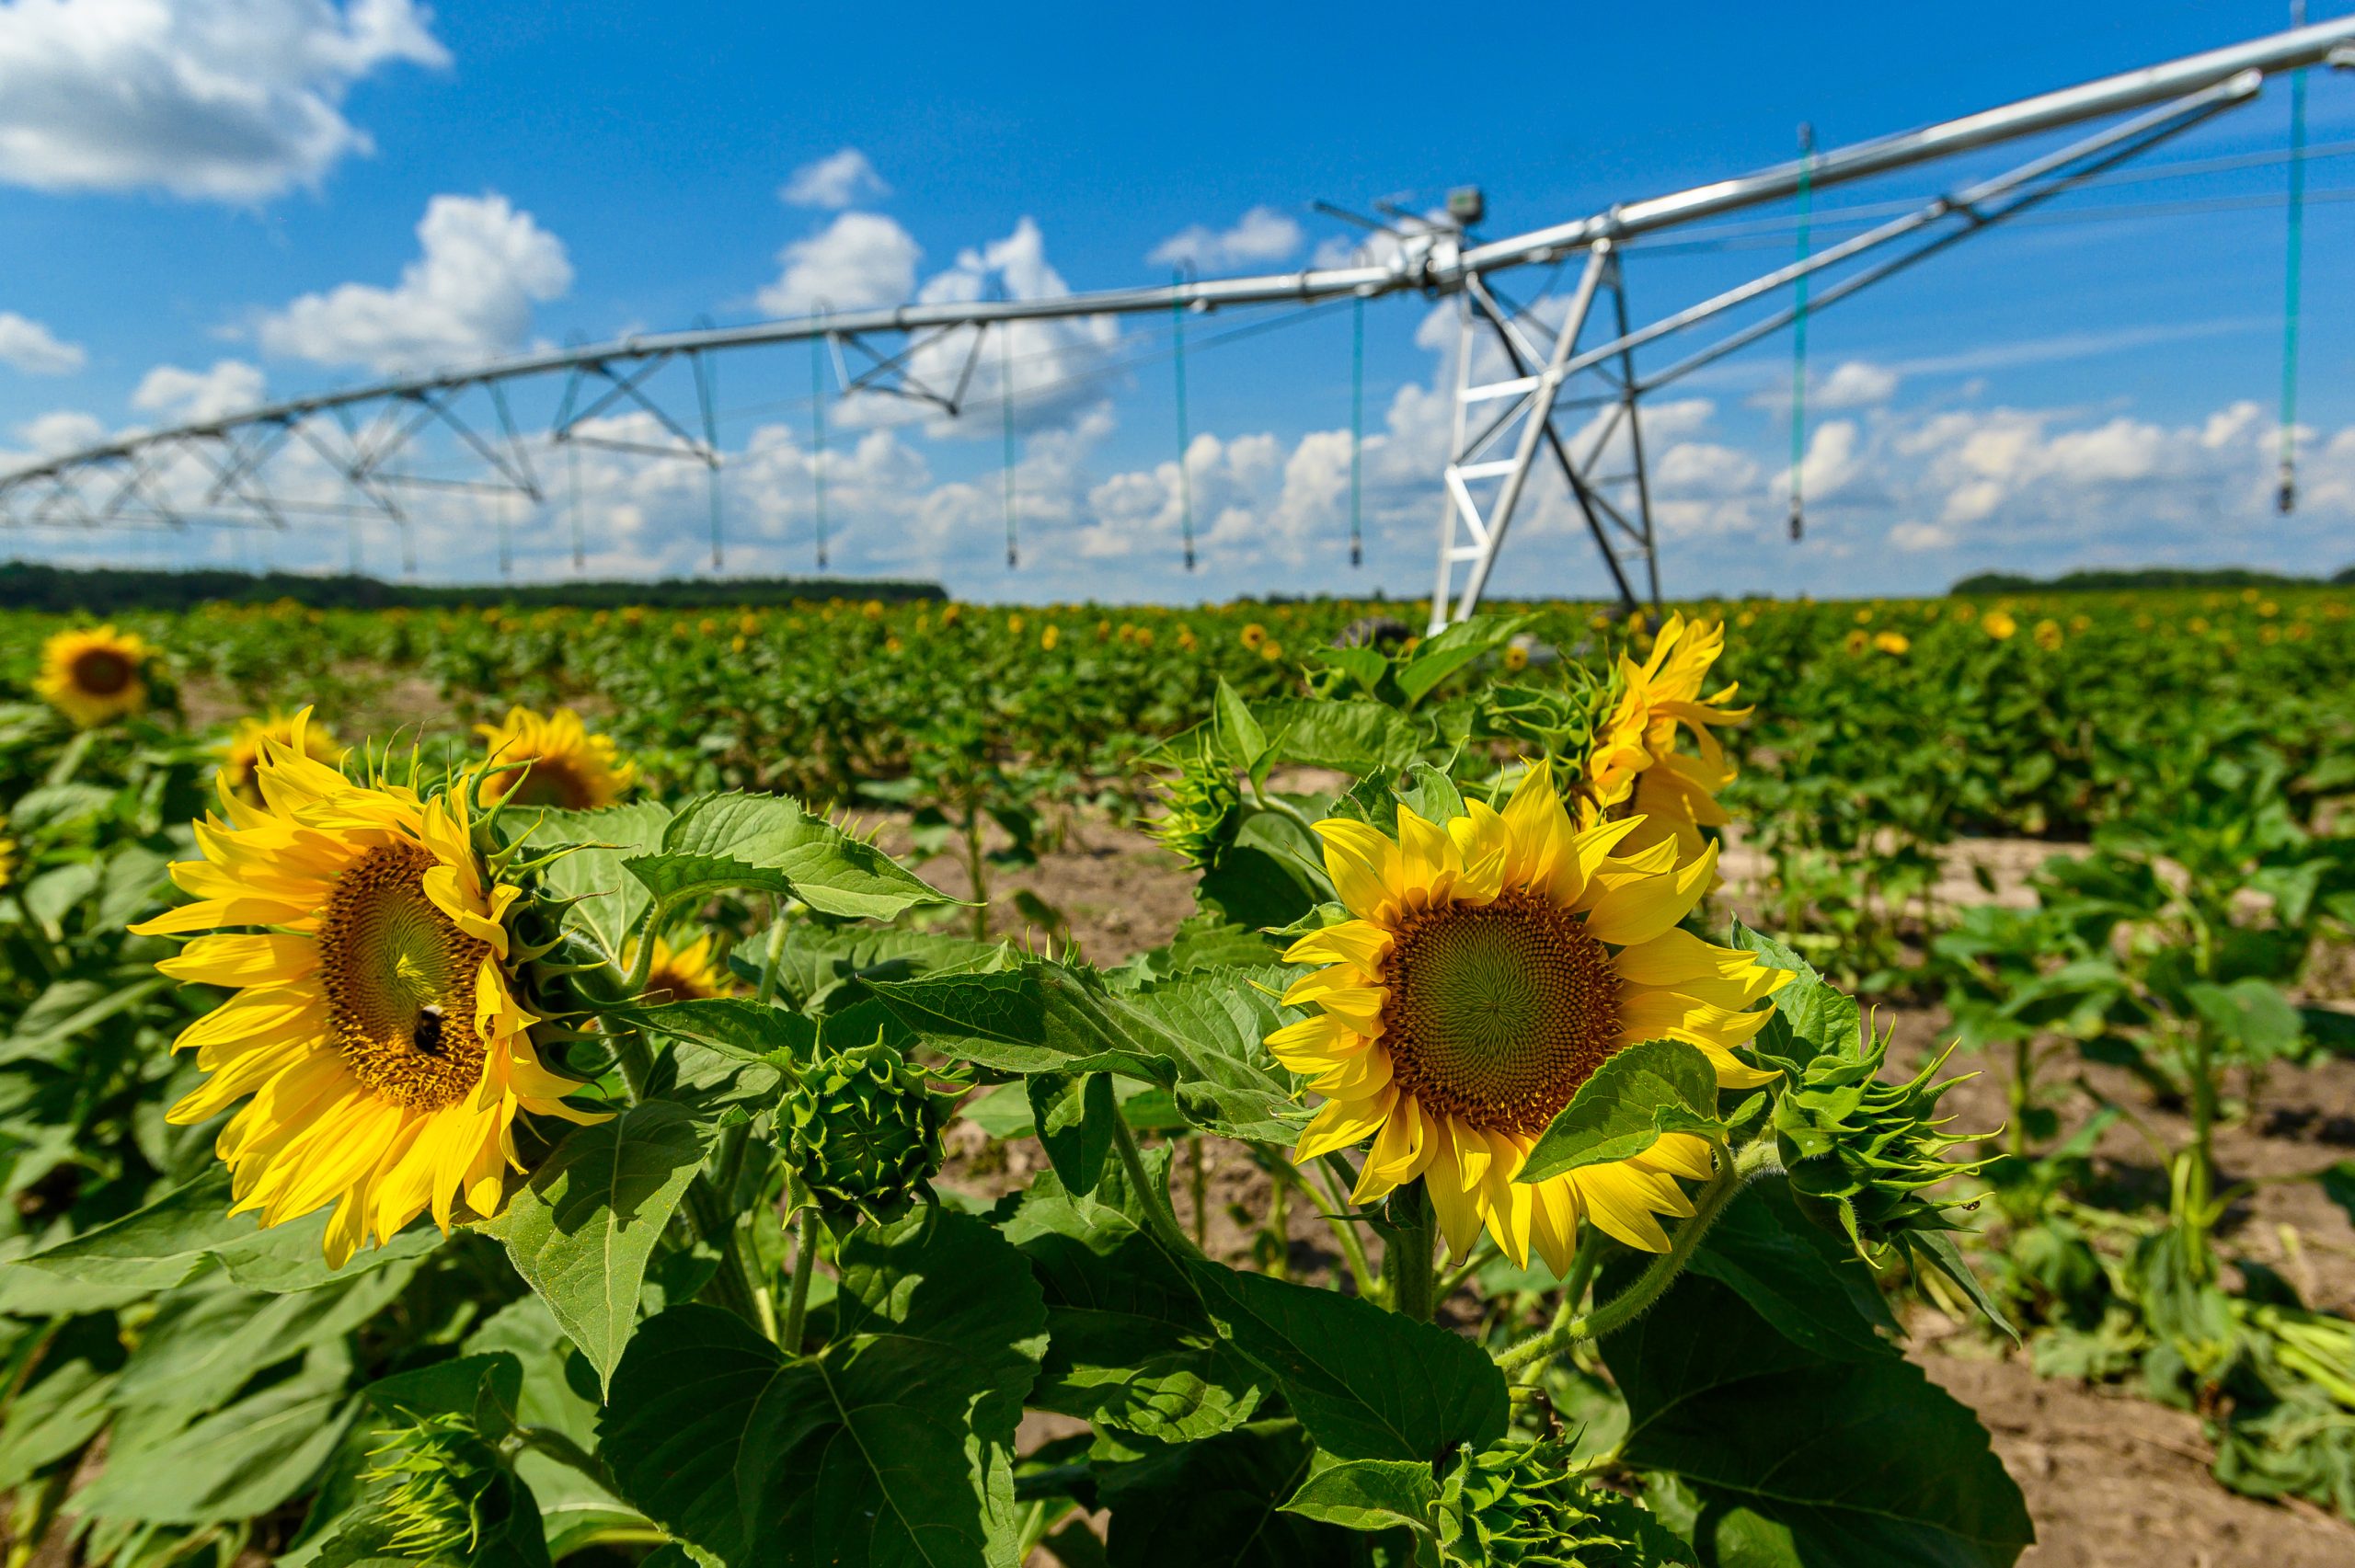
[468, 294]
[860, 261]
[185, 395]
[835, 181]
[1260, 237]
[229, 102]
[62, 431]
[31, 347]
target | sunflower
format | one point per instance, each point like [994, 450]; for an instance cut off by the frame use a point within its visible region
[1488, 968]
[568, 766]
[94, 674]
[1635, 764]
[241, 753]
[692, 973]
[375, 1024]
[7, 856]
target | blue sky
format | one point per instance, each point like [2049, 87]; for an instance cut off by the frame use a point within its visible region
[202, 205]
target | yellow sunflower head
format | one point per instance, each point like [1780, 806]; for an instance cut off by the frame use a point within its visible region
[567, 766]
[1635, 765]
[692, 973]
[7, 855]
[1486, 969]
[1999, 624]
[94, 674]
[375, 1032]
[241, 753]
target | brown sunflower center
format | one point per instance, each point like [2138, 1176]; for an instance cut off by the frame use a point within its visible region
[1497, 1012]
[399, 977]
[552, 780]
[102, 671]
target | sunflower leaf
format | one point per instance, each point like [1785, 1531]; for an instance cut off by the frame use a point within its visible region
[608, 902]
[768, 844]
[1198, 1035]
[581, 1231]
[1220, 1504]
[1637, 1094]
[893, 1447]
[1811, 1017]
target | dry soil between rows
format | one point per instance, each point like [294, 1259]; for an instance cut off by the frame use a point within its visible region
[2111, 1481]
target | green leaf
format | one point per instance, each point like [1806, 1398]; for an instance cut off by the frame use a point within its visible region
[160, 1246]
[738, 1026]
[1811, 1017]
[1218, 1504]
[1193, 1036]
[71, 1397]
[769, 843]
[1073, 1115]
[2252, 1015]
[1353, 736]
[612, 902]
[1795, 1274]
[891, 1447]
[1443, 655]
[67, 1011]
[1865, 1461]
[1636, 1095]
[1369, 1495]
[208, 1338]
[816, 960]
[1239, 736]
[245, 1461]
[581, 1231]
[1129, 1344]
[1368, 1384]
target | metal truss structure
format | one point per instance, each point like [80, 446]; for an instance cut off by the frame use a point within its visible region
[1521, 370]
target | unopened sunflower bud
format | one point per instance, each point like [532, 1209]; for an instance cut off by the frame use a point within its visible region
[1205, 811]
[426, 1486]
[863, 1129]
[1522, 1504]
[1862, 1153]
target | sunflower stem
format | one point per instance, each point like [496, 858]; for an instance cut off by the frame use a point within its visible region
[1759, 1159]
[796, 1300]
[1337, 1178]
[1406, 1274]
[1159, 1218]
[767, 991]
[37, 935]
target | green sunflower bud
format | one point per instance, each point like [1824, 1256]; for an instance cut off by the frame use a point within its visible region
[1863, 1154]
[1205, 811]
[1522, 1504]
[433, 1490]
[863, 1129]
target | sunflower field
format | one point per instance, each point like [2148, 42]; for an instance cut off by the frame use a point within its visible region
[521, 1086]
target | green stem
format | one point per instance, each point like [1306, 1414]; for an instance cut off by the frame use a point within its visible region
[44, 948]
[804, 1265]
[732, 1287]
[977, 870]
[1336, 1184]
[565, 1451]
[2198, 1178]
[1280, 1227]
[1756, 1160]
[1159, 1218]
[768, 991]
[634, 1057]
[1198, 1183]
[2022, 1066]
[1406, 1274]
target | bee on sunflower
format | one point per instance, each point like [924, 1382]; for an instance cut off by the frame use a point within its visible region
[552, 759]
[1486, 969]
[692, 973]
[95, 674]
[1635, 770]
[240, 754]
[375, 1034]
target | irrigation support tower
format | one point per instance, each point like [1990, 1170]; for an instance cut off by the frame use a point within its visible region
[1505, 427]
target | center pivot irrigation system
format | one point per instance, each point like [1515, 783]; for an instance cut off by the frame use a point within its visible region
[1564, 355]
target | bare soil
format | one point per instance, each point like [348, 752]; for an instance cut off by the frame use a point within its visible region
[2111, 1481]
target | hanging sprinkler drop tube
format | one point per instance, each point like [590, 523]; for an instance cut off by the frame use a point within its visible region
[2286, 499]
[1798, 337]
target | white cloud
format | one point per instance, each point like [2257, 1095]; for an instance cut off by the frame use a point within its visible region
[1853, 384]
[30, 347]
[229, 101]
[860, 259]
[1921, 537]
[467, 295]
[62, 431]
[1260, 236]
[838, 180]
[229, 387]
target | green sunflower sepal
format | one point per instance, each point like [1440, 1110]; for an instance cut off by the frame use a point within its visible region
[860, 1126]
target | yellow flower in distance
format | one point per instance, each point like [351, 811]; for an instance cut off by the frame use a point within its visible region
[1634, 761]
[1488, 968]
[1893, 644]
[374, 1026]
[94, 674]
[241, 753]
[569, 767]
[692, 973]
[1999, 625]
